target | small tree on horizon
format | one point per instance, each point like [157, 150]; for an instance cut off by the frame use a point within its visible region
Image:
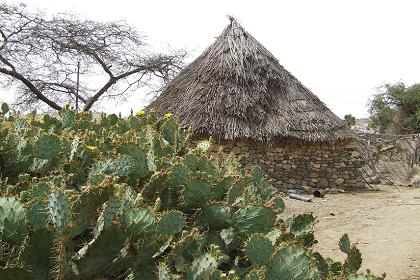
[350, 120]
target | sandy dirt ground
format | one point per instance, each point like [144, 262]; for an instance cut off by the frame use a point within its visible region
[384, 224]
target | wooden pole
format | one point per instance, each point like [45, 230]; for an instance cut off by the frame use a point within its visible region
[77, 86]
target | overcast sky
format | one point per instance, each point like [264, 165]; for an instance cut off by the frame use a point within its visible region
[341, 50]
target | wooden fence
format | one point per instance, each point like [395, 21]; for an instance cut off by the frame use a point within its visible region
[391, 159]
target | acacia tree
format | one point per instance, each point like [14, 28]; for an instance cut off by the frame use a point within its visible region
[396, 109]
[40, 55]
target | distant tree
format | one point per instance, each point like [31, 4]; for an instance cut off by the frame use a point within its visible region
[396, 109]
[41, 56]
[350, 120]
[381, 114]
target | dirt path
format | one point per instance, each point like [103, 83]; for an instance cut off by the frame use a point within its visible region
[385, 225]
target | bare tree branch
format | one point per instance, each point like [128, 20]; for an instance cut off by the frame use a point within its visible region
[32, 87]
[41, 54]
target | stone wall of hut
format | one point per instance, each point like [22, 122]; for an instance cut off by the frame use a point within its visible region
[290, 165]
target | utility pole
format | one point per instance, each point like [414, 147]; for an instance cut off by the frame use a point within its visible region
[77, 86]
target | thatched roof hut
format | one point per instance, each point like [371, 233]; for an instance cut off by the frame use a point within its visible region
[237, 89]
[239, 94]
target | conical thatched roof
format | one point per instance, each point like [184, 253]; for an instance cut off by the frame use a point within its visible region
[238, 89]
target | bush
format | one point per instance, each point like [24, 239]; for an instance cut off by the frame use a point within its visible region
[116, 198]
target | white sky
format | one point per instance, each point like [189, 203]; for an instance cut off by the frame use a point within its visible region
[341, 50]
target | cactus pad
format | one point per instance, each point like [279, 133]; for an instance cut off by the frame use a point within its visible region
[344, 244]
[37, 214]
[198, 164]
[221, 189]
[197, 193]
[68, 118]
[236, 190]
[170, 132]
[139, 156]
[47, 147]
[354, 260]
[4, 108]
[257, 174]
[321, 264]
[110, 211]
[253, 219]
[202, 267]
[171, 223]
[135, 220]
[302, 224]
[277, 203]
[39, 191]
[290, 262]
[102, 167]
[59, 210]
[180, 176]
[259, 250]
[122, 166]
[88, 202]
[214, 216]
[12, 220]
[100, 252]
[37, 253]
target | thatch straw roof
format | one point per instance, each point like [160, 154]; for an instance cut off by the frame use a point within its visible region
[238, 89]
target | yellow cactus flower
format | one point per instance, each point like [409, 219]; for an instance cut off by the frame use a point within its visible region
[168, 116]
[91, 148]
[42, 118]
[140, 113]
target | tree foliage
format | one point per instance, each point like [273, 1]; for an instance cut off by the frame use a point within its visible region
[40, 56]
[350, 120]
[396, 109]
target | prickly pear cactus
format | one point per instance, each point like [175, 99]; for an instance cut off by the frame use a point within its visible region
[291, 262]
[170, 223]
[37, 253]
[344, 244]
[197, 193]
[215, 216]
[37, 214]
[259, 249]
[47, 147]
[4, 108]
[202, 267]
[13, 227]
[131, 198]
[135, 220]
[59, 210]
[111, 211]
[253, 219]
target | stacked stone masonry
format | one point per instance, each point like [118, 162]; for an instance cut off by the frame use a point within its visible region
[290, 165]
